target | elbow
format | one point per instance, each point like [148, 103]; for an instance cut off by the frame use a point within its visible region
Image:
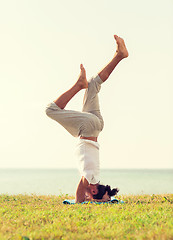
[84, 181]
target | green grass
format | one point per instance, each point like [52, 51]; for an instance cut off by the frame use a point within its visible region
[45, 217]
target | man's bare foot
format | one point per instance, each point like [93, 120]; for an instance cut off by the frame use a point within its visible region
[121, 47]
[82, 81]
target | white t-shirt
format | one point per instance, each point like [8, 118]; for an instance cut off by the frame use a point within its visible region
[87, 153]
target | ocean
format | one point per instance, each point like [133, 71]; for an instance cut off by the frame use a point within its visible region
[64, 181]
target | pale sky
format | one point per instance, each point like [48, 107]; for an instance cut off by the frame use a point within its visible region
[42, 46]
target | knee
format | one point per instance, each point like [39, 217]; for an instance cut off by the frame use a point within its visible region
[48, 111]
[52, 109]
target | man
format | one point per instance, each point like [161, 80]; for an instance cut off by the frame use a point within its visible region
[87, 125]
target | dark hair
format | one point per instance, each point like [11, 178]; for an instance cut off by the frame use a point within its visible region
[102, 189]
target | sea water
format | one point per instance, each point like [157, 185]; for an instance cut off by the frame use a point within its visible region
[64, 181]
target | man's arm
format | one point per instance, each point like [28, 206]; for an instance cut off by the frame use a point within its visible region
[81, 189]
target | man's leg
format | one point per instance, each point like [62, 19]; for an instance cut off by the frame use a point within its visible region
[67, 96]
[91, 100]
[120, 54]
[73, 121]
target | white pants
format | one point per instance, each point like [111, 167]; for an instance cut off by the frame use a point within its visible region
[89, 122]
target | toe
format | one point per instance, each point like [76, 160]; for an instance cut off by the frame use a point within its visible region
[116, 37]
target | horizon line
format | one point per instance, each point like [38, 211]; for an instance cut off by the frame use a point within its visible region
[63, 168]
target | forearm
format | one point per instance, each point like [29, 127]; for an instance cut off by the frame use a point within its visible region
[81, 189]
[107, 70]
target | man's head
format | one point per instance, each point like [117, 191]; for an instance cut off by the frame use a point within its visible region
[101, 192]
[105, 192]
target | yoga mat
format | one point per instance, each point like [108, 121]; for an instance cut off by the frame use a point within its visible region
[112, 201]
